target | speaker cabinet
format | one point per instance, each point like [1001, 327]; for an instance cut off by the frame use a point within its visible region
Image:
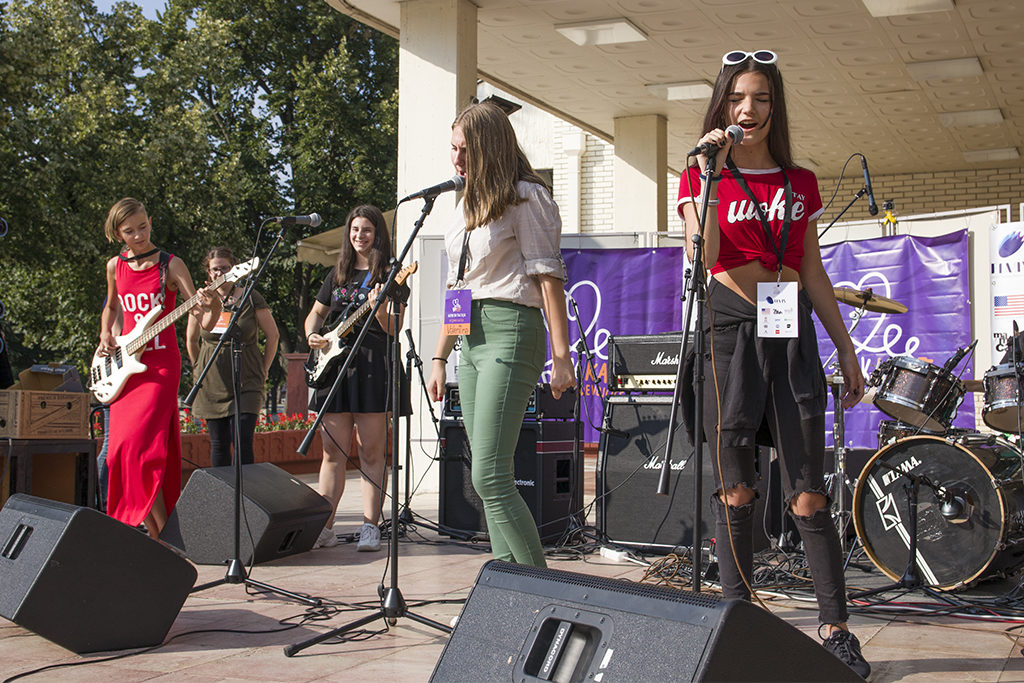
[546, 476]
[84, 580]
[569, 627]
[629, 510]
[283, 515]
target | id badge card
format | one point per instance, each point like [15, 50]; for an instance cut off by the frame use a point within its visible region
[222, 323]
[777, 309]
[457, 305]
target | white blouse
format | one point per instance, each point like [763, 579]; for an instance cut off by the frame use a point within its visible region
[504, 256]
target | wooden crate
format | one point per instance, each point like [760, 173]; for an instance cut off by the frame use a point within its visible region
[44, 414]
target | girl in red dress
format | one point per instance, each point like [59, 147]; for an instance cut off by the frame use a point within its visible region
[144, 447]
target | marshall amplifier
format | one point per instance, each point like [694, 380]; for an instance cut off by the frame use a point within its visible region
[629, 511]
[644, 362]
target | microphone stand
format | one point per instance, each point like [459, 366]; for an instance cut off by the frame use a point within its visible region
[911, 578]
[696, 294]
[392, 604]
[582, 351]
[236, 571]
[412, 359]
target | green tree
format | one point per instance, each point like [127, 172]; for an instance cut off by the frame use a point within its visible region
[216, 115]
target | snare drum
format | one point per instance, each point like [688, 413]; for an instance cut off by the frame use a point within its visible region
[890, 431]
[985, 539]
[1004, 387]
[917, 393]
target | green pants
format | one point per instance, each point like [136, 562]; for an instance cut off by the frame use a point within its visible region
[502, 358]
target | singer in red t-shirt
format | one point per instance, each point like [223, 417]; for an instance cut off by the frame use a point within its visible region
[761, 227]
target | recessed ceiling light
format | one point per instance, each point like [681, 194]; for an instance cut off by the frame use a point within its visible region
[692, 90]
[978, 117]
[978, 156]
[945, 68]
[602, 32]
[890, 8]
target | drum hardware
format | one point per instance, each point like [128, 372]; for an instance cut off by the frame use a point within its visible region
[840, 514]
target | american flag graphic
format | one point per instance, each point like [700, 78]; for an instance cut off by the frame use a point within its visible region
[1010, 304]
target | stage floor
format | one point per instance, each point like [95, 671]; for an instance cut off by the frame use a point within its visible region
[244, 635]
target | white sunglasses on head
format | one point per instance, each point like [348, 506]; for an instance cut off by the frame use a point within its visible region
[739, 56]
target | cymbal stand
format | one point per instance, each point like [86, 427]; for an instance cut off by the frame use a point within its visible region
[840, 514]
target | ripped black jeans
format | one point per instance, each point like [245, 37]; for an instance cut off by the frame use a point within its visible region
[778, 381]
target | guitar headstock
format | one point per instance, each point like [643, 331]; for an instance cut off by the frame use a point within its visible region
[236, 273]
[404, 273]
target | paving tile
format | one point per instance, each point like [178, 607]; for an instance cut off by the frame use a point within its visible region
[435, 576]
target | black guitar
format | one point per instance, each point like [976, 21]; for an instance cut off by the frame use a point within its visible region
[321, 363]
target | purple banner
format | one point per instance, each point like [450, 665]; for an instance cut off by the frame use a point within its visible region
[929, 275]
[618, 291]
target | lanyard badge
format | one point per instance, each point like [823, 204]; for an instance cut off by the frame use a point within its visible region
[777, 309]
[458, 302]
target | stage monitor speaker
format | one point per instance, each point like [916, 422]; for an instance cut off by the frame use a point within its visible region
[84, 580]
[282, 514]
[569, 627]
[548, 480]
[629, 510]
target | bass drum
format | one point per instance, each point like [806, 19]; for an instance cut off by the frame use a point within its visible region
[986, 539]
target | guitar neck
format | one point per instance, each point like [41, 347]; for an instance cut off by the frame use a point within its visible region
[348, 323]
[160, 325]
[346, 326]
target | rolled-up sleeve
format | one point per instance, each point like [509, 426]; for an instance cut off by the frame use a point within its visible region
[538, 229]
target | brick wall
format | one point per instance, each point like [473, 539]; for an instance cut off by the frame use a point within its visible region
[921, 193]
[598, 181]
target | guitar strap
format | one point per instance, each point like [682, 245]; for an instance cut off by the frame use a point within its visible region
[165, 261]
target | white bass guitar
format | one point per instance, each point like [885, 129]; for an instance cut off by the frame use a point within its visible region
[109, 374]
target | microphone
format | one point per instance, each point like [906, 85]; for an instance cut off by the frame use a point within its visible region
[312, 220]
[456, 182]
[872, 207]
[954, 507]
[708, 149]
[955, 359]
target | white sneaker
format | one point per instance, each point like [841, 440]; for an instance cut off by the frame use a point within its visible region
[369, 538]
[326, 539]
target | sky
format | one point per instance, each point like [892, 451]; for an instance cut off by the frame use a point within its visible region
[149, 7]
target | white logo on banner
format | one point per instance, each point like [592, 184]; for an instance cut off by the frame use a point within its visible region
[599, 344]
[880, 337]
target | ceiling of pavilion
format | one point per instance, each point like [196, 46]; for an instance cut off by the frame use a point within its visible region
[853, 80]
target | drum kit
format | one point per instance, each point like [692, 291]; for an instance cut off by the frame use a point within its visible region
[941, 505]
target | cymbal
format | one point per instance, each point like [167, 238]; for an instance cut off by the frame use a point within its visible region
[868, 300]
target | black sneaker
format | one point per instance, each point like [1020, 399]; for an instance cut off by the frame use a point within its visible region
[846, 647]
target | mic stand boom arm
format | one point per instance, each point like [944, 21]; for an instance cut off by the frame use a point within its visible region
[860, 193]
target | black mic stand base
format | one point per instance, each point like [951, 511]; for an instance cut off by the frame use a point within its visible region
[392, 608]
[236, 574]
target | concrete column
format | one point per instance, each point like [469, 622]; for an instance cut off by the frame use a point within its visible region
[437, 77]
[641, 168]
[573, 146]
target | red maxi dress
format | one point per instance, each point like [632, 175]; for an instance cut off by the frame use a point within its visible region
[144, 448]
